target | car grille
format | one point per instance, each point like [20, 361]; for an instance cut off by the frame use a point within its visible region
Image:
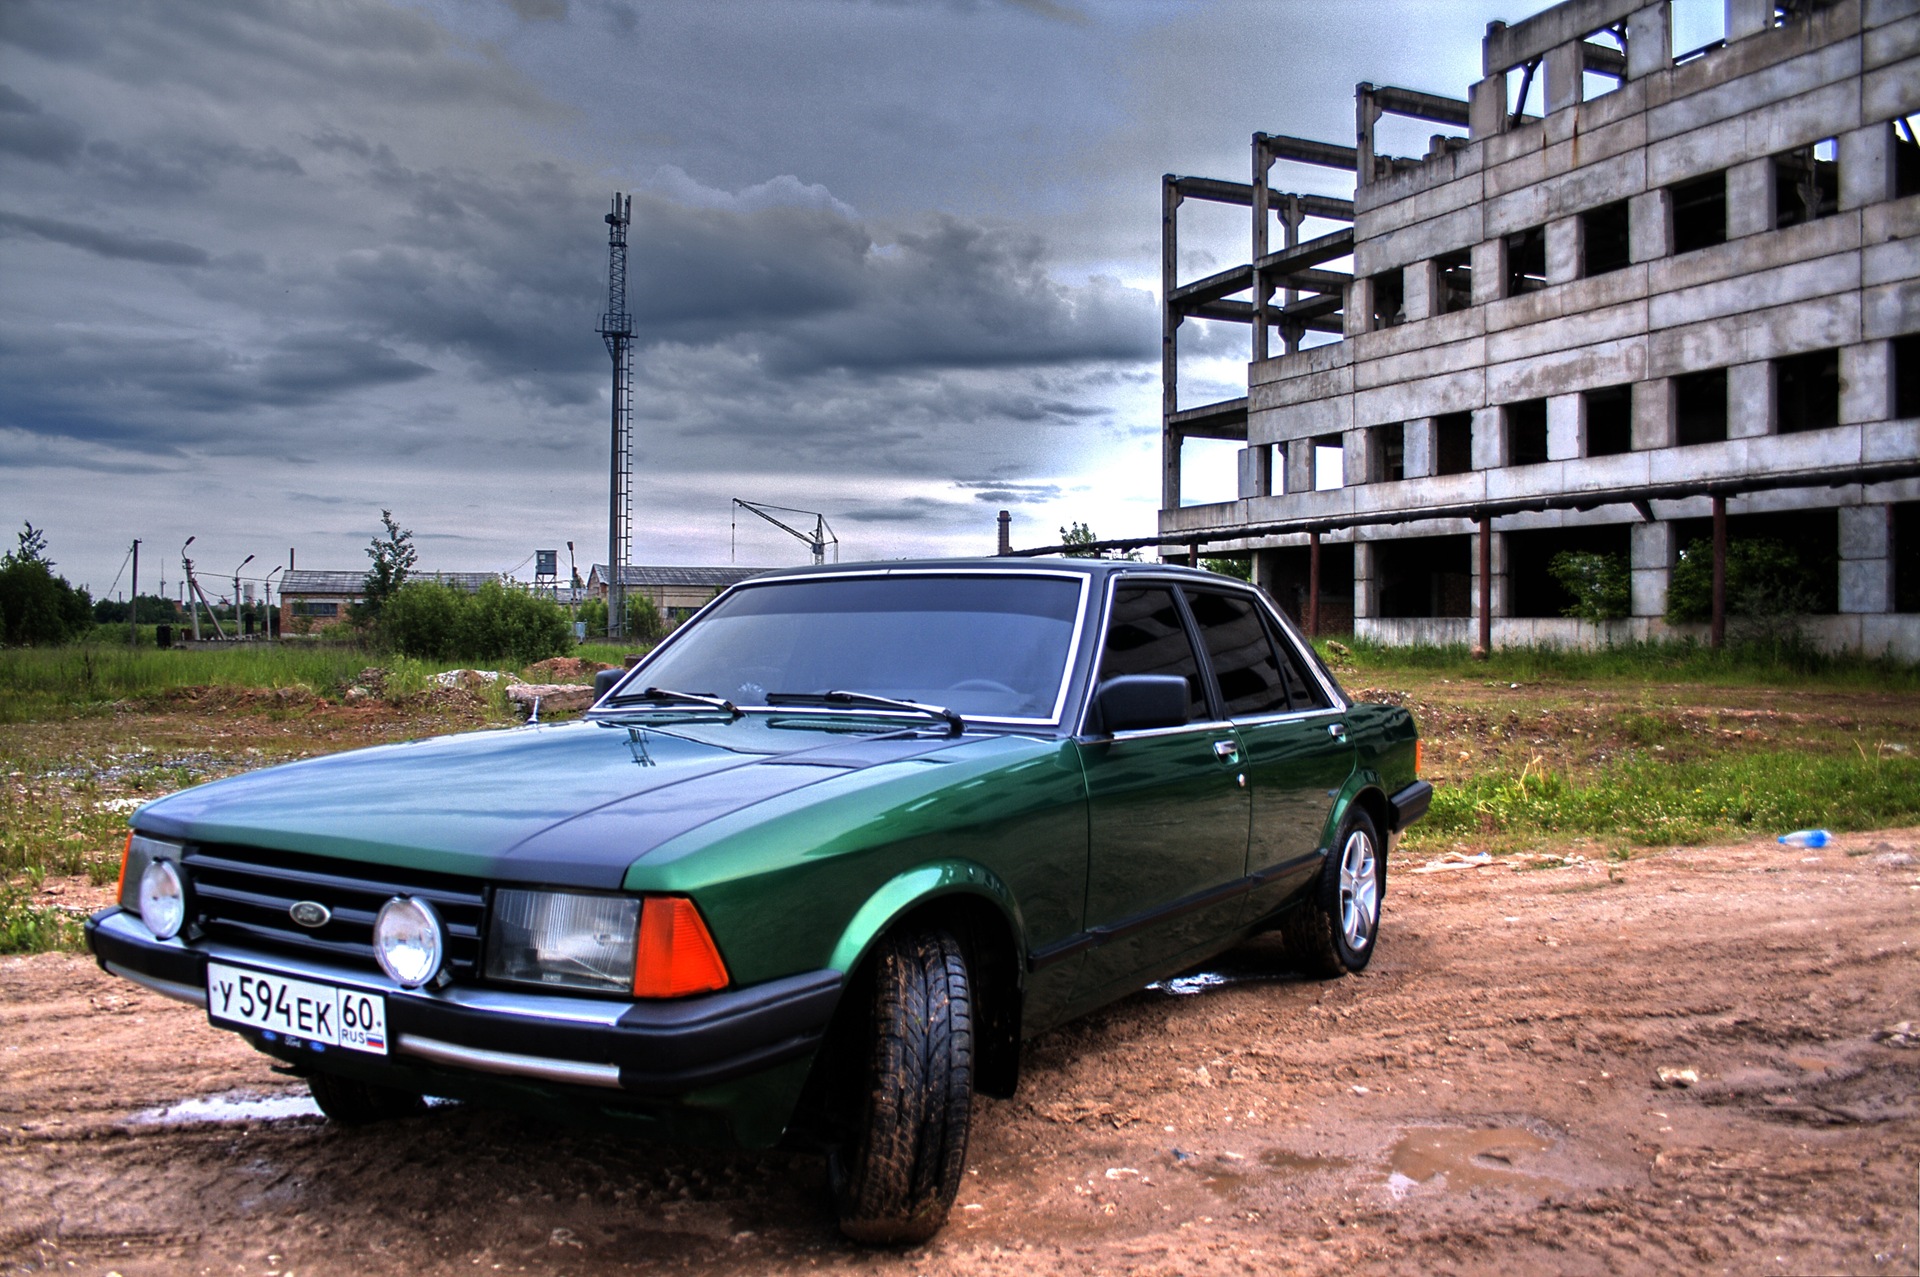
[242, 895]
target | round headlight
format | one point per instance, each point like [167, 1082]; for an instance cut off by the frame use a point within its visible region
[408, 941]
[163, 899]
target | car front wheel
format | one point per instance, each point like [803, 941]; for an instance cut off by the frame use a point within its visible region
[895, 1175]
[1337, 930]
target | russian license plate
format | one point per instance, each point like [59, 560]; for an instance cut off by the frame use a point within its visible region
[303, 1009]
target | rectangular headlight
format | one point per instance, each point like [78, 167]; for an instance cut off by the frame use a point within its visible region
[563, 939]
[142, 851]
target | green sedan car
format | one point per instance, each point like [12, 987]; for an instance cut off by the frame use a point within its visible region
[810, 872]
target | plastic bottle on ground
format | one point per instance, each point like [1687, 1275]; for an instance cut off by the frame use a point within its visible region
[1806, 838]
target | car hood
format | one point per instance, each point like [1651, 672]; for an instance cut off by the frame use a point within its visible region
[571, 804]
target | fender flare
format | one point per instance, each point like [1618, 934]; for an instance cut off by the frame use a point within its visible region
[923, 884]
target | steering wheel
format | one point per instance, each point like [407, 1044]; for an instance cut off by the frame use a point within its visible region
[981, 685]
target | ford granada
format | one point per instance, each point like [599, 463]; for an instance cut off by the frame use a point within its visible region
[809, 873]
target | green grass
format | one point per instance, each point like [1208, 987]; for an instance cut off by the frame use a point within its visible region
[29, 928]
[1785, 663]
[1648, 802]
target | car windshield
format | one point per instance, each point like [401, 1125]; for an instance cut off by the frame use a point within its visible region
[987, 646]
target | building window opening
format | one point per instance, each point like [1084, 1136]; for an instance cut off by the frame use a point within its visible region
[1329, 463]
[1906, 158]
[1286, 572]
[1538, 586]
[1906, 376]
[1390, 453]
[1389, 299]
[1806, 183]
[1609, 421]
[1905, 531]
[1454, 272]
[1527, 261]
[1699, 212]
[1807, 391]
[1453, 443]
[1423, 576]
[1526, 432]
[1700, 407]
[1603, 239]
[1784, 564]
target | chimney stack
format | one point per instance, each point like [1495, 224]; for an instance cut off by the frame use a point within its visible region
[1006, 533]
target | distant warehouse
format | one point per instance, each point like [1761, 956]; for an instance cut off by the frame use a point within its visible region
[1633, 303]
[315, 600]
[677, 592]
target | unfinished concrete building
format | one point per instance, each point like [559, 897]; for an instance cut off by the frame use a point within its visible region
[1635, 300]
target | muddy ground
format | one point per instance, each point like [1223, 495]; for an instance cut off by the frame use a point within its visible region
[1488, 1097]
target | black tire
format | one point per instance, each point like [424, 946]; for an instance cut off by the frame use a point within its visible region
[351, 1102]
[1336, 931]
[895, 1175]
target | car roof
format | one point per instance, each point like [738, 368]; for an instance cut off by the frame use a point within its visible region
[1007, 564]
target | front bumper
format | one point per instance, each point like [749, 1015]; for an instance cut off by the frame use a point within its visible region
[647, 1049]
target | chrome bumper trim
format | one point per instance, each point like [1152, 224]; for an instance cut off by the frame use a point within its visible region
[167, 988]
[472, 1057]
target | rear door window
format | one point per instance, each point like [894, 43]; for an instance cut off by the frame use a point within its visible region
[1252, 675]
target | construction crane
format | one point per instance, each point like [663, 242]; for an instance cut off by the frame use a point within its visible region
[616, 329]
[821, 537]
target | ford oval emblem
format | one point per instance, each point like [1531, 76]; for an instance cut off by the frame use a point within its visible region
[311, 913]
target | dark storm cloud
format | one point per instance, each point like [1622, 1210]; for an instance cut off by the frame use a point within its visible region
[28, 131]
[92, 239]
[1004, 493]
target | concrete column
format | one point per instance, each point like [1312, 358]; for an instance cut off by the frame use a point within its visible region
[1358, 315]
[1566, 69]
[1866, 382]
[1563, 250]
[1750, 403]
[1489, 264]
[1489, 439]
[1866, 166]
[1487, 107]
[1356, 457]
[1651, 550]
[1566, 427]
[1421, 282]
[1299, 465]
[1256, 471]
[1365, 595]
[1653, 415]
[1500, 604]
[1750, 198]
[1866, 558]
[1649, 41]
[1419, 448]
[1748, 17]
[1649, 226]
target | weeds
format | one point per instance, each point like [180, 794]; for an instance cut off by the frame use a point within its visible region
[1786, 660]
[26, 927]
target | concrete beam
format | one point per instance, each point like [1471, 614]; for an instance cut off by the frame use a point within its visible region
[1507, 47]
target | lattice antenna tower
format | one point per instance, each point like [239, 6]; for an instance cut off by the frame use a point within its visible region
[616, 329]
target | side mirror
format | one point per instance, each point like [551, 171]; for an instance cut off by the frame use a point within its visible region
[1136, 702]
[604, 681]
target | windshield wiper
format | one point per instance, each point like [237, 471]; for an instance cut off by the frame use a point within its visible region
[955, 724]
[665, 695]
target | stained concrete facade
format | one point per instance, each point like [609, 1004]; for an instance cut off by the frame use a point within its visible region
[1703, 281]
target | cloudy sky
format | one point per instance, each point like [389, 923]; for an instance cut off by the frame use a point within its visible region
[269, 266]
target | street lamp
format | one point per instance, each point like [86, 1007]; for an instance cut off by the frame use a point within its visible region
[193, 602]
[268, 585]
[237, 625]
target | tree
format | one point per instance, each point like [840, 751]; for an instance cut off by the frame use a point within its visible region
[1238, 568]
[393, 558]
[1079, 534]
[1601, 584]
[37, 607]
[1768, 582]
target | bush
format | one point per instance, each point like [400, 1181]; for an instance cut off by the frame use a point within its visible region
[643, 619]
[1601, 584]
[429, 621]
[1766, 580]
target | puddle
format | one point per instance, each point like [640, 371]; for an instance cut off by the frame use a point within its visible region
[239, 1106]
[1194, 982]
[1288, 1162]
[1467, 1160]
[234, 1106]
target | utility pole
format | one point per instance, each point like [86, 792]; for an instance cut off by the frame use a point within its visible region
[133, 608]
[616, 329]
[193, 604]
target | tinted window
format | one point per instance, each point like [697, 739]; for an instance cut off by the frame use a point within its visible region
[1145, 636]
[991, 646]
[1302, 688]
[1250, 676]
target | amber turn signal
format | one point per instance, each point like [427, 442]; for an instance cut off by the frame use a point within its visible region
[126, 854]
[677, 955]
[1419, 757]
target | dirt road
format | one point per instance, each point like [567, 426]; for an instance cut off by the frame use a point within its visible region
[1487, 1098]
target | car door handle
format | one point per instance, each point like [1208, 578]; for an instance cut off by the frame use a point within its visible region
[1226, 750]
[1337, 730]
